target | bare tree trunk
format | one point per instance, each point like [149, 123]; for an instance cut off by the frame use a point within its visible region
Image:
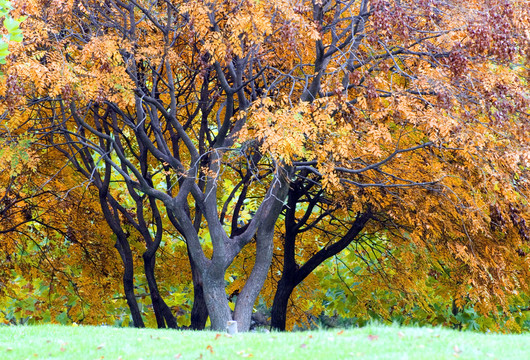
[279, 306]
[199, 312]
[247, 297]
[128, 282]
[216, 299]
[292, 273]
[264, 251]
[163, 313]
[124, 249]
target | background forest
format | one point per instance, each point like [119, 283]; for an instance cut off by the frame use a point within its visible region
[282, 163]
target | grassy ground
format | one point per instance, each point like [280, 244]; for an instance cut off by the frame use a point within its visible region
[373, 342]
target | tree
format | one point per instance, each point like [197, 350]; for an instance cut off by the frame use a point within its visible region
[410, 112]
[396, 32]
[45, 237]
[212, 270]
[293, 273]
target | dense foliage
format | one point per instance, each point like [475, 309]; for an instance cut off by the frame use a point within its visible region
[316, 159]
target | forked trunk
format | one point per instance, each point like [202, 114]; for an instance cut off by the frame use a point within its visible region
[164, 316]
[293, 274]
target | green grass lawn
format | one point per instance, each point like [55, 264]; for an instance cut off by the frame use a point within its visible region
[372, 342]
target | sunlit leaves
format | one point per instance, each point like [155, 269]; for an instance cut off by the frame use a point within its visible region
[413, 112]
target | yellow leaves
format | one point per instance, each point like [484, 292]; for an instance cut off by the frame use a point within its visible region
[248, 27]
[236, 31]
[198, 12]
[16, 157]
[377, 137]
[330, 180]
[283, 131]
[62, 70]
[101, 72]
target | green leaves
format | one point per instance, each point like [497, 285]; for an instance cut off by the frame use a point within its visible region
[13, 28]
[62, 318]
[3, 51]
[14, 33]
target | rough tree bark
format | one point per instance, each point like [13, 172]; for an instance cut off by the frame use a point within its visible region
[128, 281]
[199, 311]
